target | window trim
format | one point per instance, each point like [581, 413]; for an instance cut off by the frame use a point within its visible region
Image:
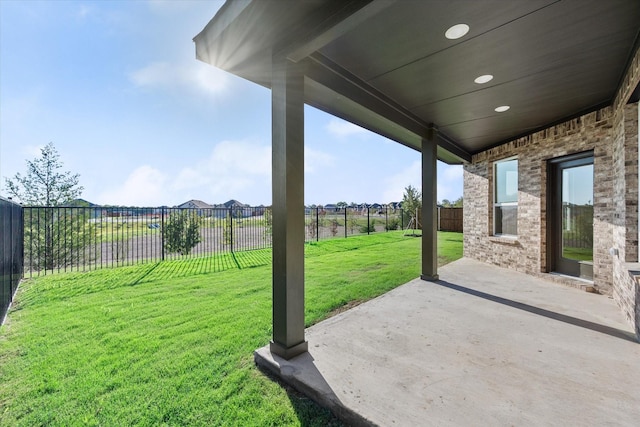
[497, 204]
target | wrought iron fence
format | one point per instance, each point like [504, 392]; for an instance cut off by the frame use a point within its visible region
[87, 238]
[326, 223]
[11, 252]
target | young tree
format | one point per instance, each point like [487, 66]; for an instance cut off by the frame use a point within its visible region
[181, 232]
[44, 184]
[53, 237]
[411, 202]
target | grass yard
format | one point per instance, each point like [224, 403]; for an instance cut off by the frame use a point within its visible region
[171, 343]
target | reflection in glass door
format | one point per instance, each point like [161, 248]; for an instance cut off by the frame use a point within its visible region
[572, 221]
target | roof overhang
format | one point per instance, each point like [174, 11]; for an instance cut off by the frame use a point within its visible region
[386, 65]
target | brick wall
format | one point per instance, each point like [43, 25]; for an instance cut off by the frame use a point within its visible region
[527, 252]
[612, 134]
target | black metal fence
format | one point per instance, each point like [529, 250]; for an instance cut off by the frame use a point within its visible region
[326, 223]
[11, 252]
[87, 238]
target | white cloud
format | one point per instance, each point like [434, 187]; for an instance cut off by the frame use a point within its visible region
[343, 129]
[449, 182]
[395, 184]
[451, 172]
[145, 186]
[315, 160]
[193, 76]
[233, 166]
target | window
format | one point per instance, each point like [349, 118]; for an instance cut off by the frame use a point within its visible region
[505, 207]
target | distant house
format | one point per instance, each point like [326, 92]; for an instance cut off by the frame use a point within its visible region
[202, 208]
[240, 210]
[82, 203]
[79, 203]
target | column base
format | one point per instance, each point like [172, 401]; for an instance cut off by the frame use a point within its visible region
[290, 352]
[428, 278]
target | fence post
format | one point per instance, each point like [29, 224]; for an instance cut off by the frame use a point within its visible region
[21, 227]
[368, 222]
[231, 228]
[345, 222]
[11, 263]
[162, 231]
[317, 224]
[386, 218]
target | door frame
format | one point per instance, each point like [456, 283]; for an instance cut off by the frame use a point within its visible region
[582, 270]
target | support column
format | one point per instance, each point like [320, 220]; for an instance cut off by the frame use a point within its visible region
[429, 208]
[287, 91]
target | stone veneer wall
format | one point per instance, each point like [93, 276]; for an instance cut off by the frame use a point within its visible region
[612, 134]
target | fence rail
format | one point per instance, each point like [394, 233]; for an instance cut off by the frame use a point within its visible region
[88, 238]
[11, 252]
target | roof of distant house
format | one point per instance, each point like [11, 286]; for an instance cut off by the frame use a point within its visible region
[195, 204]
[234, 203]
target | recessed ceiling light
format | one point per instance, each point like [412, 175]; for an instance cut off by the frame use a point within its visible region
[502, 108]
[483, 79]
[456, 31]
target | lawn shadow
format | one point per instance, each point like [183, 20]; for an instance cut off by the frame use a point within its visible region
[185, 267]
[145, 274]
[255, 258]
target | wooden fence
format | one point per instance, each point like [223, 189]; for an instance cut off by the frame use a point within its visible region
[450, 219]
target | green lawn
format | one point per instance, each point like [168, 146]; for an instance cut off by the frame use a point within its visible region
[171, 343]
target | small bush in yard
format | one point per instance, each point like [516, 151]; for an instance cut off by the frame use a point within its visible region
[333, 227]
[369, 228]
[393, 224]
[181, 232]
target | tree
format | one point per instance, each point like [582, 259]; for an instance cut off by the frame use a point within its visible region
[53, 237]
[57, 237]
[446, 203]
[181, 232]
[341, 205]
[44, 184]
[411, 204]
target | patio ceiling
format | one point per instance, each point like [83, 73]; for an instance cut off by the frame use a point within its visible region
[387, 65]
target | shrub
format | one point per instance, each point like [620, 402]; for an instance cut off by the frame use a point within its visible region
[312, 227]
[368, 228]
[333, 227]
[392, 224]
[181, 232]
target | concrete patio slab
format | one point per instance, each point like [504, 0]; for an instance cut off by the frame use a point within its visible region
[482, 346]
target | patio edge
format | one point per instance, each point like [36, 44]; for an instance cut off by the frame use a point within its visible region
[301, 373]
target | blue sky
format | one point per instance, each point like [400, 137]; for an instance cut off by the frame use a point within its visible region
[116, 87]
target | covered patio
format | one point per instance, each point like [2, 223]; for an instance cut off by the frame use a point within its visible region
[474, 83]
[481, 346]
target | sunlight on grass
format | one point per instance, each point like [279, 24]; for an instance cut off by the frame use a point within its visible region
[171, 343]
